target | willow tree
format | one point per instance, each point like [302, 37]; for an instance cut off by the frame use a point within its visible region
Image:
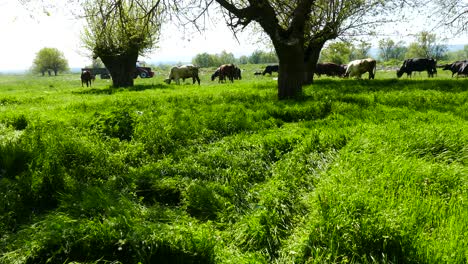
[298, 30]
[118, 31]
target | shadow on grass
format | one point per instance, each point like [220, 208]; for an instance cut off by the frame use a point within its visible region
[112, 90]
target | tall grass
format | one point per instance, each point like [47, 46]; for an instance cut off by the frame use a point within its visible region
[357, 171]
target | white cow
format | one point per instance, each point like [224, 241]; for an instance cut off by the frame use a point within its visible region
[183, 72]
[359, 67]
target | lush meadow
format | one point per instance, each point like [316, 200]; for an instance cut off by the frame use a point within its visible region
[356, 171]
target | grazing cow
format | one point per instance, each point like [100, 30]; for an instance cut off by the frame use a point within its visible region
[224, 71]
[454, 67]
[418, 64]
[359, 67]
[86, 77]
[330, 69]
[270, 69]
[463, 69]
[237, 74]
[183, 72]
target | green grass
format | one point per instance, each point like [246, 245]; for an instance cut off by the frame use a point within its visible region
[356, 171]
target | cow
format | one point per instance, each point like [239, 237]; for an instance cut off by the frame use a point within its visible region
[330, 69]
[183, 72]
[359, 67]
[454, 67]
[418, 64]
[237, 74]
[463, 69]
[270, 69]
[224, 71]
[257, 73]
[86, 77]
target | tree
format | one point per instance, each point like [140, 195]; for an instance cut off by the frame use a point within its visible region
[119, 31]
[389, 50]
[452, 14]
[243, 59]
[426, 47]
[50, 59]
[260, 56]
[226, 57]
[299, 29]
[337, 52]
[361, 51]
[204, 60]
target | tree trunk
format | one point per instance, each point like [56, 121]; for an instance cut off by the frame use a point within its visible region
[312, 55]
[121, 68]
[291, 70]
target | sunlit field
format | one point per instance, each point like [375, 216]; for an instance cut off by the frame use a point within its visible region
[354, 171]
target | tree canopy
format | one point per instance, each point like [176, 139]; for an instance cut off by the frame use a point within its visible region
[426, 46]
[49, 59]
[118, 31]
[299, 29]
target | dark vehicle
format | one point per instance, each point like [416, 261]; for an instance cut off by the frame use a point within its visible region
[143, 72]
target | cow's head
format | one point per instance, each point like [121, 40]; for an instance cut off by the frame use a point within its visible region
[399, 73]
[168, 81]
[447, 67]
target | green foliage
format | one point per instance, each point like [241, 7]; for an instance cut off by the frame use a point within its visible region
[389, 50]
[356, 171]
[337, 52]
[50, 59]
[215, 60]
[116, 124]
[426, 47]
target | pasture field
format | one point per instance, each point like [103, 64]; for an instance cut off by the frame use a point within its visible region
[356, 171]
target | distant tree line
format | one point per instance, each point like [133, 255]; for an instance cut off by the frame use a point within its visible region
[426, 45]
[214, 60]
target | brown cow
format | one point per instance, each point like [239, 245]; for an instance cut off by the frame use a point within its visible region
[224, 71]
[86, 77]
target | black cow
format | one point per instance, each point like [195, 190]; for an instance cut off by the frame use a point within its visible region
[270, 69]
[455, 67]
[86, 77]
[463, 69]
[418, 64]
[330, 69]
[237, 74]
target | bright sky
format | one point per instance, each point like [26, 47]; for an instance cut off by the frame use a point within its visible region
[23, 35]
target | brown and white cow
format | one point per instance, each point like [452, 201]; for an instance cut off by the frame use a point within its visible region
[359, 67]
[183, 72]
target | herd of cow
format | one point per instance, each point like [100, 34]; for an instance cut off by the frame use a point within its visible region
[355, 68]
[359, 67]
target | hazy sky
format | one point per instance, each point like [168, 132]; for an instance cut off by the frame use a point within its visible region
[23, 35]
